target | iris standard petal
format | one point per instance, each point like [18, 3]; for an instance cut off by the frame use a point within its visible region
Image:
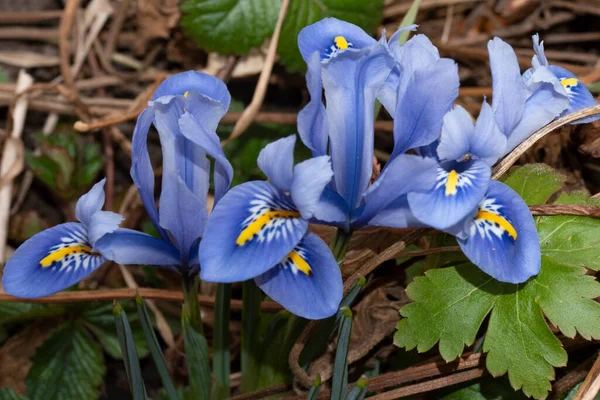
[101, 223]
[90, 203]
[129, 247]
[579, 95]
[417, 54]
[503, 241]
[351, 81]
[312, 120]
[420, 110]
[205, 109]
[488, 143]
[396, 214]
[457, 128]
[508, 88]
[539, 59]
[405, 173]
[541, 108]
[307, 282]
[181, 83]
[310, 179]
[332, 210]
[396, 48]
[141, 168]
[330, 37]
[50, 261]
[182, 212]
[250, 230]
[454, 195]
[210, 143]
[276, 160]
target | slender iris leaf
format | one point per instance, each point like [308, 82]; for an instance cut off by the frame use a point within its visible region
[155, 350]
[221, 367]
[250, 340]
[9, 393]
[314, 390]
[359, 391]
[196, 350]
[340, 366]
[130, 357]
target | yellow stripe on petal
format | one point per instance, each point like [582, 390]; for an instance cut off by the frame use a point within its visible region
[451, 183]
[186, 94]
[341, 42]
[300, 263]
[259, 223]
[569, 82]
[59, 254]
[495, 218]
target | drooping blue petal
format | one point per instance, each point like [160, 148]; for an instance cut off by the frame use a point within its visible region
[509, 93]
[579, 95]
[129, 247]
[351, 81]
[312, 120]
[396, 214]
[330, 37]
[332, 210]
[101, 223]
[206, 109]
[419, 113]
[454, 195]
[488, 143]
[50, 261]
[457, 128]
[403, 174]
[90, 203]
[308, 282]
[310, 179]
[209, 142]
[250, 230]
[502, 239]
[276, 160]
[182, 212]
[141, 168]
[540, 109]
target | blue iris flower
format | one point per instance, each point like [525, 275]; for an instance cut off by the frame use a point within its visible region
[260, 230]
[354, 69]
[185, 110]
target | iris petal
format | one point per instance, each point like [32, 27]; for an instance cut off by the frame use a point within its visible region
[307, 282]
[454, 195]
[502, 240]
[90, 203]
[249, 231]
[206, 84]
[312, 120]
[50, 261]
[276, 160]
[456, 130]
[579, 95]
[310, 179]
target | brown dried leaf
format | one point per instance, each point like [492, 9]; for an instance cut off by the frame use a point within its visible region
[590, 139]
[155, 19]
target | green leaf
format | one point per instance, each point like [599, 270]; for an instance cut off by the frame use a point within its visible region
[221, 360]
[229, 26]
[487, 388]
[535, 183]
[339, 382]
[366, 14]
[571, 239]
[9, 394]
[44, 168]
[196, 350]
[68, 365]
[130, 357]
[409, 19]
[518, 339]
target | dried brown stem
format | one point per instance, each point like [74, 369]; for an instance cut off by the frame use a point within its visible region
[566, 209]
[21, 17]
[264, 393]
[66, 22]
[22, 33]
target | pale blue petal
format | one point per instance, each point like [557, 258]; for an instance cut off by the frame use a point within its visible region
[312, 120]
[50, 261]
[90, 203]
[493, 248]
[320, 37]
[332, 210]
[416, 55]
[419, 113]
[316, 295]
[210, 143]
[351, 81]
[401, 175]
[446, 204]
[579, 95]
[457, 129]
[310, 179]
[397, 214]
[488, 143]
[101, 223]
[509, 93]
[129, 247]
[396, 48]
[539, 59]
[388, 94]
[231, 250]
[205, 109]
[276, 160]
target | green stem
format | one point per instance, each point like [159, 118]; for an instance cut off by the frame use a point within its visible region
[340, 244]
[221, 362]
[191, 307]
[251, 298]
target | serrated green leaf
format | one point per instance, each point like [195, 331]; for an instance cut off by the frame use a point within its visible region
[9, 394]
[487, 388]
[571, 239]
[68, 365]
[518, 339]
[366, 14]
[535, 183]
[229, 26]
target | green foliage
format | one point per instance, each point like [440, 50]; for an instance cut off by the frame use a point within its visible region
[571, 239]
[198, 361]
[68, 365]
[229, 26]
[130, 356]
[535, 183]
[518, 339]
[68, 164]
[9, 394]
[485, 389]
[366, 14]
